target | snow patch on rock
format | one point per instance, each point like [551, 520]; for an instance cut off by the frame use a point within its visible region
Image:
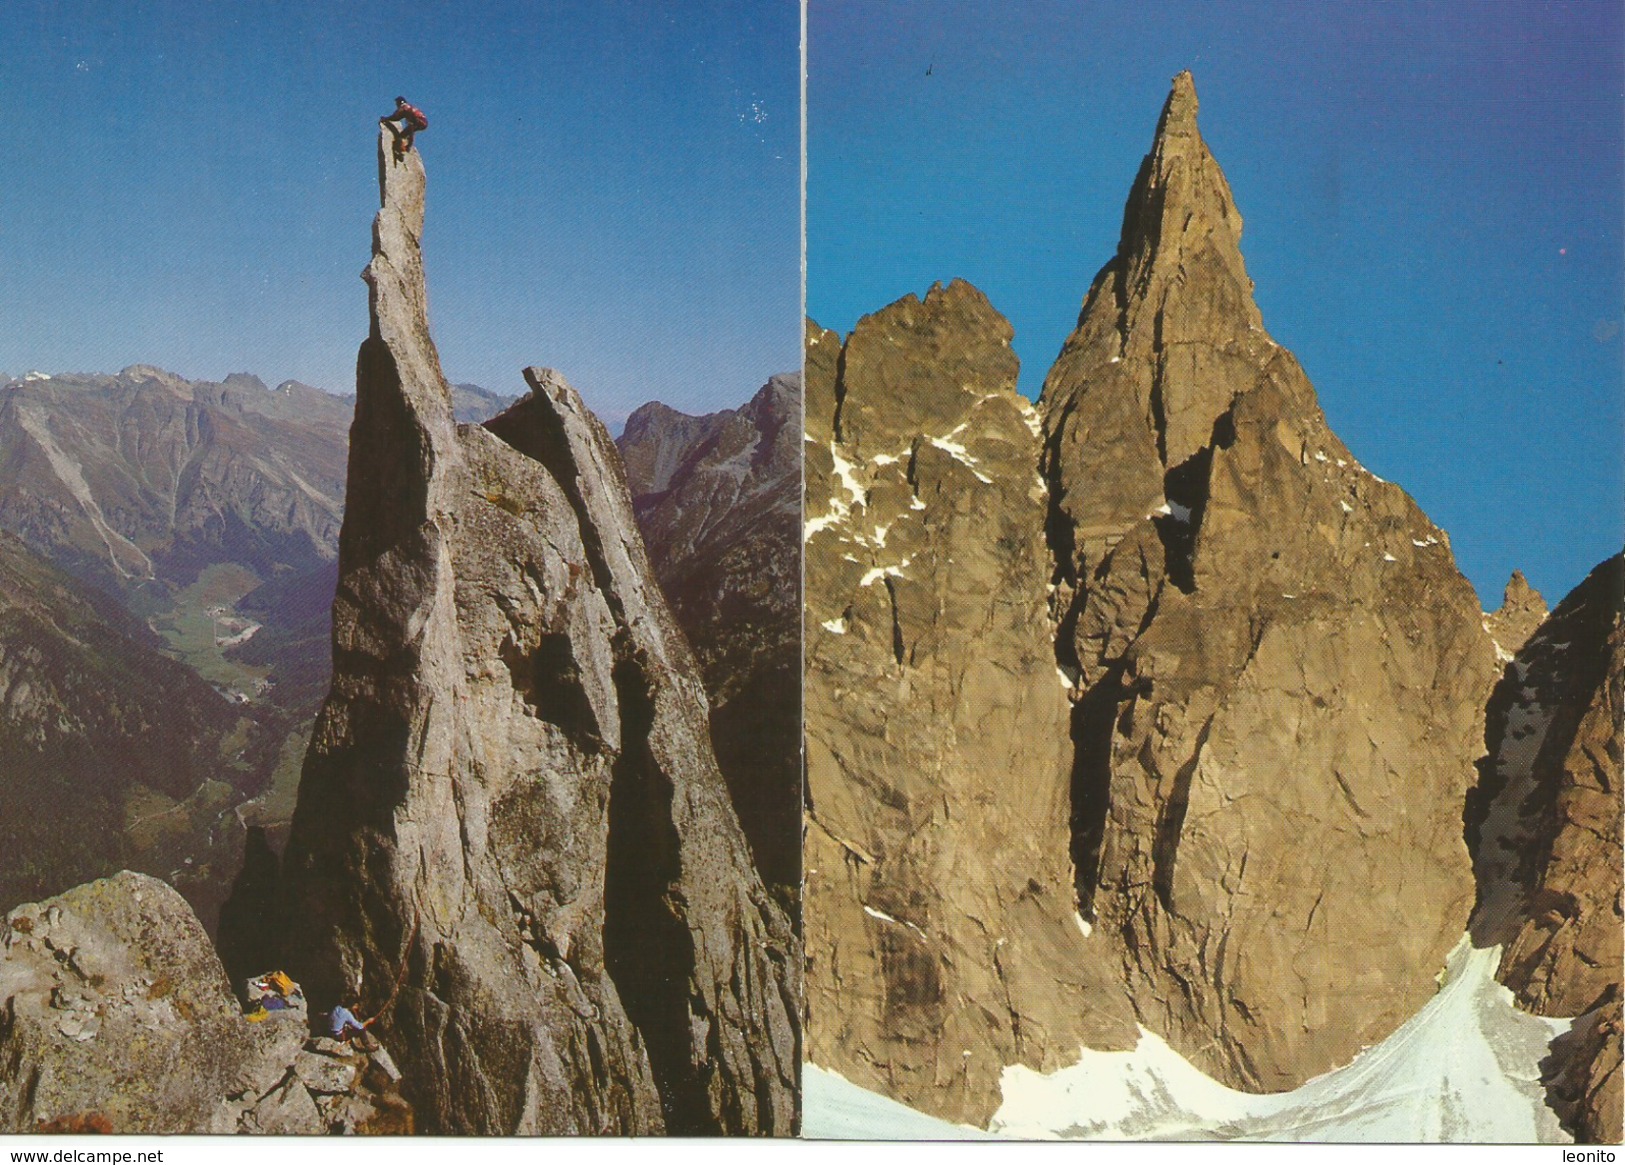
[959, 453]
[876, 573]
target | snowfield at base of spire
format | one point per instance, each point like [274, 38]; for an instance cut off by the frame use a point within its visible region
[1465, 1069]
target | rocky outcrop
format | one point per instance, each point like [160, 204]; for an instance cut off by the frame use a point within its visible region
[718, 501]
[1548, 843]
[942, 937]
[511, 835]
[111, 754]
[1280, 670]
[1584, 1083]
[1156, 702]
[115, 1017]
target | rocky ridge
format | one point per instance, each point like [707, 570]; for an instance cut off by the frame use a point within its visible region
[717, 500]
[942, 935]
[510, 807]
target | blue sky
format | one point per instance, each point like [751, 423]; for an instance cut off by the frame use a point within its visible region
[614, 188]
[1432, 194]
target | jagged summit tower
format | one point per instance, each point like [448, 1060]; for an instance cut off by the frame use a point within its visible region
[1148, 706]
[1282, 672]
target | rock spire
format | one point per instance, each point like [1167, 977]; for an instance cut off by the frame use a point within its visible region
[1281, 671]
[511, 830]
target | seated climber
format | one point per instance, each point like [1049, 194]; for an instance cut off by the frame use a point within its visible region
[411, 120]
[346, 1028]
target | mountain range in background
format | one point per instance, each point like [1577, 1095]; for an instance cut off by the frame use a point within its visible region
[473, 405]
[190, 508]
[1150, 710]
[113, 754]
[195, 525]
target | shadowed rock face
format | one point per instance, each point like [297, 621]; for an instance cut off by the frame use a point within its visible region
[940, 927]
[511, 831]
[718, 502]
[1585, 1084]
[1282, 673]
[1549, 841]
[250, 931]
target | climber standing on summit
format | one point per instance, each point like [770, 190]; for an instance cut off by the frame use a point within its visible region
[412, 120]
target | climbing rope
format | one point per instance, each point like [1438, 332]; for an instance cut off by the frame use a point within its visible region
[400, 977]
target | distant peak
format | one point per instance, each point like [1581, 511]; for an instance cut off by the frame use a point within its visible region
[655, 408]
[141, 372]
[1519, 594]
[246, 381]
[1521, 613]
